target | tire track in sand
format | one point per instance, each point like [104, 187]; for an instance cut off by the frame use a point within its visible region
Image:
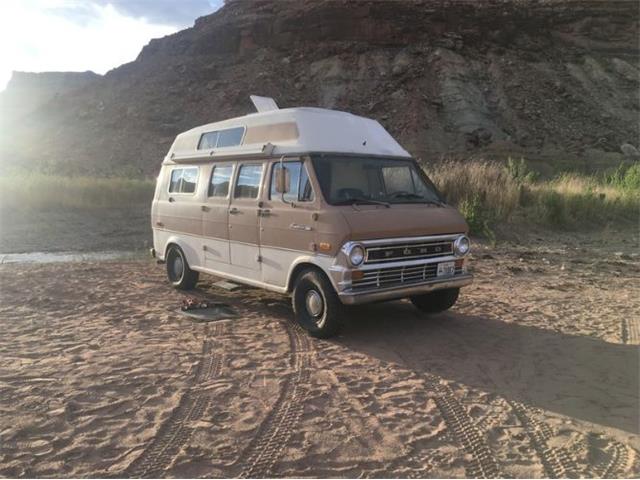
[483, 463]
[631, 330]
[274, 433]
[176, 431]
[556, 462]
[615, 465]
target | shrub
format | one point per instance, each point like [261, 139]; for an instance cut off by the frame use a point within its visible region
[519, 171]
[477, 218]
[484, 191]
[625, 177]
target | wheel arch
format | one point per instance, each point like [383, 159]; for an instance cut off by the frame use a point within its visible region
[304, 263]
[189, 251]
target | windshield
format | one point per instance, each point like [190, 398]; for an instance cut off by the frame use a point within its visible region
[348, 180]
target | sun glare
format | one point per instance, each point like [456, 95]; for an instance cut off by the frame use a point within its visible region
[43, 35]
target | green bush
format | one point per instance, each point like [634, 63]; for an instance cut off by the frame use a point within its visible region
[625, 177]
[519, 171]
[478, 217]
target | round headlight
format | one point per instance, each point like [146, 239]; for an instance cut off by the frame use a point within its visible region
[461, 246]
[356, 255]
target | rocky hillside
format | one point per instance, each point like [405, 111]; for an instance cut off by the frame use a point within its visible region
[554, 80]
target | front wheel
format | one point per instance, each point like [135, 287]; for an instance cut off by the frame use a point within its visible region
[316, 305]
[437, 301]
[178, 271]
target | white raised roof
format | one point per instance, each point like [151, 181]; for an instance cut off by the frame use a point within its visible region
[292, 131]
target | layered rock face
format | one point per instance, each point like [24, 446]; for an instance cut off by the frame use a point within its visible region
[556, 80]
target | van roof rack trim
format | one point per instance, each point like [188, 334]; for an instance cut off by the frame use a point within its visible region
[228, 152]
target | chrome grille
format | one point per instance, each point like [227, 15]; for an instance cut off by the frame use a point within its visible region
[397, 276]
[409, 251]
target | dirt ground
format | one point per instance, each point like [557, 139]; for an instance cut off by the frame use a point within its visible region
[534, 373]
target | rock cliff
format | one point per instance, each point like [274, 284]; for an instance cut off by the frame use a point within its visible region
[554, 80]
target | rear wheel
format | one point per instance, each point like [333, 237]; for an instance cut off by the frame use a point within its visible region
[178, 271]
[437, 301]
[316, 305]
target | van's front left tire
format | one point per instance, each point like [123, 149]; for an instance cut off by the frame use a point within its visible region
[316, 305]
[179, 273]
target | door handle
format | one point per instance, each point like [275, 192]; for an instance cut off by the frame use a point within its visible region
[171, 199]
[264, 212]
[233, 211]
[205, 208]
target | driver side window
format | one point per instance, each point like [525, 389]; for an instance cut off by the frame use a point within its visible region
[300, 189]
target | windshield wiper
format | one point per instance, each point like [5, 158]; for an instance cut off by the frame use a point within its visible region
[362, 201]
[415, 196]
[406, 195]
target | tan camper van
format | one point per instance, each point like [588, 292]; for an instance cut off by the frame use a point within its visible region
[322, 205]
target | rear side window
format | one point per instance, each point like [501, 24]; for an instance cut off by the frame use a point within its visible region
[299, 186]
[248, 182]
[183, 180]
[220, 180]
[230, 137]
[208, 140]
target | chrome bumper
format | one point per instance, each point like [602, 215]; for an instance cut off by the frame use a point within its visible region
[380, 294]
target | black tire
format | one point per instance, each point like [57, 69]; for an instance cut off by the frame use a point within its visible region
[179, 273]
[437, 301]
[316, 305]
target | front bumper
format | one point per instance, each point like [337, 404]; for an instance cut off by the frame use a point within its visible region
[402, 291]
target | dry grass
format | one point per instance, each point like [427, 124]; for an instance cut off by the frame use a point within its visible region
[490, 193]
[46, 192]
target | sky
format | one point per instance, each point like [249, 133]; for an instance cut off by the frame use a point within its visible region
[80, 35]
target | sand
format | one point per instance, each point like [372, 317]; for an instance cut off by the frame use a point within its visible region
[534, 373]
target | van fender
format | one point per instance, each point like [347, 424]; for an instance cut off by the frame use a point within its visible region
[321, 262]
[190, 247]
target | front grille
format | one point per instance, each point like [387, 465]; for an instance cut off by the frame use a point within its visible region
[398, 276]
[409, 251]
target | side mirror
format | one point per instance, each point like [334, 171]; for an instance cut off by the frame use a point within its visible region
[283, 180]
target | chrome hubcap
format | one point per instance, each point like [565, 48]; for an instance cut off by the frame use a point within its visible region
[314, 303]
[178, 266]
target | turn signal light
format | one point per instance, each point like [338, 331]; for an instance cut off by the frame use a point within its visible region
[325, 246]
[357, 275]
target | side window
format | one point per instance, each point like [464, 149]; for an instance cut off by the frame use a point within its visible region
[248, 182]
[183, 180]
[176, 178]
[220, 180]
[306, 190]
[294, 177]
[208, 140]
[300, 186]
[189, 179]
[230, 137]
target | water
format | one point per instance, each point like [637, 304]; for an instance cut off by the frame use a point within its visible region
[59, 257]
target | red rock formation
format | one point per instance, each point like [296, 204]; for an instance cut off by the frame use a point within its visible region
[550, 80]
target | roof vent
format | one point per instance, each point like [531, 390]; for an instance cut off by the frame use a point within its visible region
[264, 104]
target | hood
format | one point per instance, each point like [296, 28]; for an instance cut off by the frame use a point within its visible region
[372, 222]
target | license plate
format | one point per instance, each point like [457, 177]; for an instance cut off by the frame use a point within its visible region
[446, 269]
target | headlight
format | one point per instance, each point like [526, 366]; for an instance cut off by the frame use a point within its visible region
[356, 255]
[461, 246]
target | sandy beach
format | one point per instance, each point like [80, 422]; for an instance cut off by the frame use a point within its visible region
[534, 373]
